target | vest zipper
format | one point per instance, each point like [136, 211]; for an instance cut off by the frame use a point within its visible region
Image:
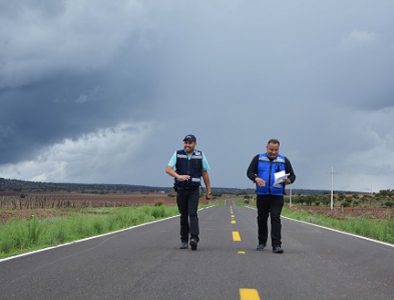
[188, 165]
[269, 179]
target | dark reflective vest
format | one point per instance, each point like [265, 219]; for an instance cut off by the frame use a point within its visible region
[265, 170]
[192, 167]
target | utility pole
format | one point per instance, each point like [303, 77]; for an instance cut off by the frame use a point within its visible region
[332, 188]
[290, 196]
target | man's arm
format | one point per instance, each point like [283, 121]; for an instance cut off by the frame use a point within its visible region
[252, 172]
[207, 183]
[289, 169]
[205, 177]
[170, 170]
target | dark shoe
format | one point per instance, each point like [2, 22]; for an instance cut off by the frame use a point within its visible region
[193, 244]
[277, 249]
[183, 245]
[260, 247]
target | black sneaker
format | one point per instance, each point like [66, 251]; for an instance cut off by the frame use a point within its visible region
[277, 249]
[183, 245]
[260, 247]
[193, 243]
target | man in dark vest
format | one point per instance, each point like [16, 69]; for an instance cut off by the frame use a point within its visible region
[187, 166]
[271, 172]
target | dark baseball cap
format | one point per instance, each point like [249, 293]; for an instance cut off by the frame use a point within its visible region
[190, 138]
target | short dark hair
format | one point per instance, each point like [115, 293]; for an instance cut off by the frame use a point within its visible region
[273, 141]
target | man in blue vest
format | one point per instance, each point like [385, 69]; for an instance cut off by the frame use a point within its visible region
[268, 170]
[187, 166]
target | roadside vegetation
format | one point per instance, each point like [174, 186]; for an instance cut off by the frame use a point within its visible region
[23, 235]
[369, 215]
[379, 229]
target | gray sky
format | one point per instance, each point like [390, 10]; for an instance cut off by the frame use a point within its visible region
[100, 92]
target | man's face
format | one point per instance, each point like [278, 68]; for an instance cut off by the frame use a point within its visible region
[272, 150]
[189, 146]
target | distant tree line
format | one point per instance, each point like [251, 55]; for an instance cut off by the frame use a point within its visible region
[384, 198]
[381, 199]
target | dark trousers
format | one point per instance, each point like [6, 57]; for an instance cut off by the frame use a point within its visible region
[187, 201]
[269, 205]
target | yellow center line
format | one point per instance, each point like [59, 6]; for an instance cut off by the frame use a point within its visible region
[241, 252]
[233, 222]
[236, 236]
[248, 294]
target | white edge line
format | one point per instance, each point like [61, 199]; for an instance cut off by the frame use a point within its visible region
[91, 237]
[336, 230]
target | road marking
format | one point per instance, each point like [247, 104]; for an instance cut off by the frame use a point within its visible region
[233, 222]
[336, 230]
[236, 236]
[241, 252]
[248, 294]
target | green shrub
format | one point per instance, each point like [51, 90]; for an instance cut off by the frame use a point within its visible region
[60, 233]
[98, 226]
[158, 212]
[34, 229]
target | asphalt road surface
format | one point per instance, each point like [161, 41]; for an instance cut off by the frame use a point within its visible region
[145, 263]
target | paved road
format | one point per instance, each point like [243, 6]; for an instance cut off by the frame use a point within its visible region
[145, 263]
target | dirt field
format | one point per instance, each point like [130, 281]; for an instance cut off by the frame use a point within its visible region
[76, 200]
[55, 204]
[6, 215]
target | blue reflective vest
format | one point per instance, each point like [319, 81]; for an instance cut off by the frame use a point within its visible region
[265, 170]
[186, 166]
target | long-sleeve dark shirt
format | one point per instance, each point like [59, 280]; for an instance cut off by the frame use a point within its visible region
[252, 170]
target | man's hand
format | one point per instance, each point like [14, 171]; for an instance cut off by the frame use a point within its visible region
[259, 181]
[208, 196]
[183, 177]
[287, 181]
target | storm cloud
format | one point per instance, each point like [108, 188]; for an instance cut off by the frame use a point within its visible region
[79, 77]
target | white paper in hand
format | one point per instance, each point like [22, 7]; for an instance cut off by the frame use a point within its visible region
[280, 177]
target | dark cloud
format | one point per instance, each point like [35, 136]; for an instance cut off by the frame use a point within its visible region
[14, 9]
[68, 69]
[68, 105]
[317, 75]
